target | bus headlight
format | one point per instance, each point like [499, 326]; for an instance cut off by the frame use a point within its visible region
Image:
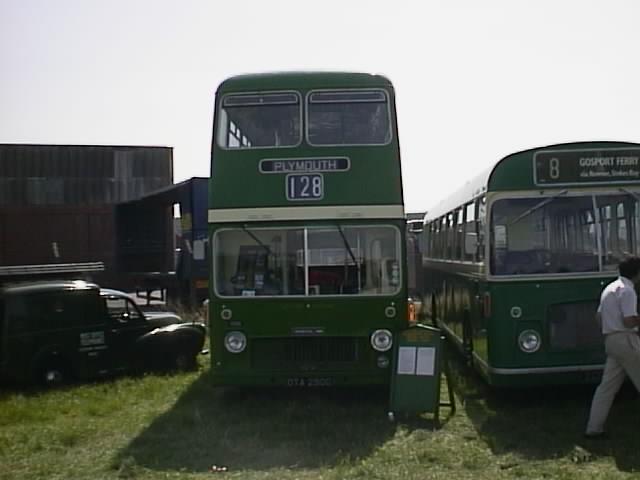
[381, 340]
[235, 342]
[529, 341]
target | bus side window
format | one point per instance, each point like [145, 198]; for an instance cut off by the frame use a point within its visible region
[459, 234]
[450, 239]
[481, 210]
[470, 232]
[442, 232]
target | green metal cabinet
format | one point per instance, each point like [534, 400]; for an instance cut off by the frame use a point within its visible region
[417, 371]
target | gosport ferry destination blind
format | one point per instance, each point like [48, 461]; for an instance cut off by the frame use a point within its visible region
[579, 167]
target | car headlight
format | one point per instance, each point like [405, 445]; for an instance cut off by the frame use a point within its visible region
[381, 340]
[235, 342]
[529, 341]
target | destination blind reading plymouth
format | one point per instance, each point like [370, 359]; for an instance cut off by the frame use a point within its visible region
[332, 164]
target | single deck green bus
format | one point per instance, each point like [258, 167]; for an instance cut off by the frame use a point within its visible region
[515, 261]
[306, 225]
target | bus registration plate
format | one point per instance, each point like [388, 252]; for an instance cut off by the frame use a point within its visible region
[305, 186]
[309, 382]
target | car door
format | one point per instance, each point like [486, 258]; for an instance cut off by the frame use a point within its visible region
[80, 313]
[126, 325]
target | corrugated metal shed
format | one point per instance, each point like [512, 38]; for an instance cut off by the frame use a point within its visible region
[80, 174]
[57, 201]
[40, 235]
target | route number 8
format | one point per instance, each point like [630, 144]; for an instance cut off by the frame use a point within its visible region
[554, 168]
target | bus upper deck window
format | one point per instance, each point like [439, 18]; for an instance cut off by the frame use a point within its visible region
[259, 120]
[349, 117]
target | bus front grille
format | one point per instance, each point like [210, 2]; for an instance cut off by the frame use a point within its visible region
[572, 326]
[312, 353]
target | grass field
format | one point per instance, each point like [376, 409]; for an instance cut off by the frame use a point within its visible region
[178, 426]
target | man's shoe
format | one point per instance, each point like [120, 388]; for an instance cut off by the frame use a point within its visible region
[596, 435]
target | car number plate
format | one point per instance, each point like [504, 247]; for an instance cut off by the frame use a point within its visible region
[309, 382]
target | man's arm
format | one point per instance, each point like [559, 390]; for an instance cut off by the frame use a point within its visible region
[629, 307]
[632, 321]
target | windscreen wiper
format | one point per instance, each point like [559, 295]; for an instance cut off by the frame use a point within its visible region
[346, 244]
[256, 239]
[537, 206]
[353, 257]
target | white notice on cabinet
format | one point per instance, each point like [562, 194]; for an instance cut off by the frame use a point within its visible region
[426, 361]
[407, 361]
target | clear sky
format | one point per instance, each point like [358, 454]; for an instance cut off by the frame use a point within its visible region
[475, 80]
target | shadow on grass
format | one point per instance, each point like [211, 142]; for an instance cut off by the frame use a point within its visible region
[10, 387]
[546, 423]
[258, 429]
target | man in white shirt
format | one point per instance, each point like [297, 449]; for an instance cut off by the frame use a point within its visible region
[618, 314]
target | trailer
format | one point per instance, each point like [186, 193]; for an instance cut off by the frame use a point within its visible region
[161, 249]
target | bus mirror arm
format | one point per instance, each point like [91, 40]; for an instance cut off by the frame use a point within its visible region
[633, 194]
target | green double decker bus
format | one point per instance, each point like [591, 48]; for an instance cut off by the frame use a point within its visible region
[306, 225]
[515, 261]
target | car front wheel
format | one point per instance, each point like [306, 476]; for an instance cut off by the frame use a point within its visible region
[53, 375]
[185, 361]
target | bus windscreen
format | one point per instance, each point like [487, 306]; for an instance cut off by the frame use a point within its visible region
[345, 260]
[561, 235]
[352, 117]
[259, 120]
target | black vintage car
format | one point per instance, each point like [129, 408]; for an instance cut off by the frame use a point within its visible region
[53, 331]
